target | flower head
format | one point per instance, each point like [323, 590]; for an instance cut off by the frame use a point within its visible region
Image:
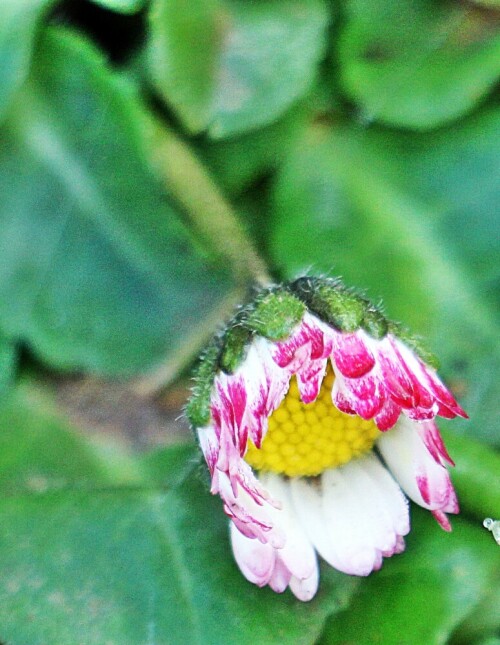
[316, 419]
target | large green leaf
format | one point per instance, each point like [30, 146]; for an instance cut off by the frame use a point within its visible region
[411, 219]
[18, 24]
[420, 597]
[97, 270]
[112, 553]
[417, 64]
[230, 66]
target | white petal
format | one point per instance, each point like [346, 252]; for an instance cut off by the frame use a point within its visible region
[308, 505]
[411, 463]
[305, 589]
[355, 516]
[298, 553]
[255, 560]
[281, 575]
[348, 529]
[385, 499]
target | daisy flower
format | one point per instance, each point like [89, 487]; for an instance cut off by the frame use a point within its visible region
[316, 417]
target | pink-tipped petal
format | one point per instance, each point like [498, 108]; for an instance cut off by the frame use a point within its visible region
[365, 395]
[388, 416]
[310, 340]
[423, 479]
[442, 520]
[309, 380]
[430, 435]
[252, 519]
[352, 356]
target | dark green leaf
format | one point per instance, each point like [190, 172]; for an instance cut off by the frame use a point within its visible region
[97, 270]
[230, 66]
[417, 64]
[109, 551]
[422, 595]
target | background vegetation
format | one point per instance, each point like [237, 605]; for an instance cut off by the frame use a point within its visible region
[155, 159]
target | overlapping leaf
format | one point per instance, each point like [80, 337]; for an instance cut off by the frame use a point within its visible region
[230, 66]
[417, 64]
[97, 269]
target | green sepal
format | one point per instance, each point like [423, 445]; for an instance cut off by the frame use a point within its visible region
[331, 301]
[415, 343]
[274, 313]
[198, 406]
[375, 323]
[234, 344]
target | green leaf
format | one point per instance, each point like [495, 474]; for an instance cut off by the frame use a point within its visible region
[417, 64]
[19, 20]
[230, 66]
[97, 271]
[422, 595]
[122, 555]
[475, 476]
[397, 215]
[122, 6]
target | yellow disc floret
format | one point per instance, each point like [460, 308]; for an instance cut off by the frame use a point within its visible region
[306, 439]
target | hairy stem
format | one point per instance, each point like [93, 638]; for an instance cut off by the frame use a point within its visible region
[210, 214]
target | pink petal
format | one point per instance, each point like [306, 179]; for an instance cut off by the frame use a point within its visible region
[394, 374]
[423, 478]
[352, 356]
[442, 520]
[430, 435]
[311, 339]
[365, 395]
[387, 416]
[443, 395]
[309, 379]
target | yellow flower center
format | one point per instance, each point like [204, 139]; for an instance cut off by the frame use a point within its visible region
[303, 439]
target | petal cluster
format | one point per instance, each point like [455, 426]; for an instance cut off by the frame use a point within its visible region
[353, 515]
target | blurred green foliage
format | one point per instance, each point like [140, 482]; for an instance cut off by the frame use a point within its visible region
[350, 137]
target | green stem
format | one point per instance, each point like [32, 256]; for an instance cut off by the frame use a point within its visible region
[208, 211]
[476, 476]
